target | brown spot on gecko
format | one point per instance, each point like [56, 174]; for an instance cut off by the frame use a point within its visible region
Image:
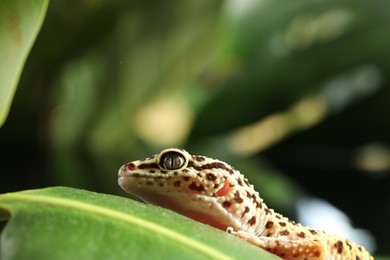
[357, 258]
[269, 224]
[214, 165]
[282, 224]
[349, 245]
[267, 211]
[245, 211]
[152, 171]
[246, 181]
[197, 188]
[186, 178]
[284, 233]
[211, 177]
[226, 204]
[301, 235]
[339, 246]
[253, 196]
[237, 198]
[161, 184]
[252, 221]
[313, 231]
[317, 253]
[177, 183]
[239, 181]
[148, 183]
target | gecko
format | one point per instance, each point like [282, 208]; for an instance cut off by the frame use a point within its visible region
[214, 193]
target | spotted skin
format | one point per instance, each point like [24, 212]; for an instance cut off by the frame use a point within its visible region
[214, 193]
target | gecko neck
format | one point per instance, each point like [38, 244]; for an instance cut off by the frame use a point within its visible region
[260, 218]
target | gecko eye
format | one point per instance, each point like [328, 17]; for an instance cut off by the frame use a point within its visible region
[171, 161]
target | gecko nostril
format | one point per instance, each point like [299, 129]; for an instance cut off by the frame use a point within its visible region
[131, 167]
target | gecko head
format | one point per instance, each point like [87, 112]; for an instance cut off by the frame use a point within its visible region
[205, 189]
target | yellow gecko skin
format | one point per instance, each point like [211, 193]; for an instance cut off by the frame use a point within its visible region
[212, 192]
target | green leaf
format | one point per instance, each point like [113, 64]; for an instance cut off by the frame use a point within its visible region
[63, 223]
[20, 21]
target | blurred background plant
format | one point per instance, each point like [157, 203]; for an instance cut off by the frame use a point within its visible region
[294, 94]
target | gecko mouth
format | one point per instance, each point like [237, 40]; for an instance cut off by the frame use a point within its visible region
[184, 205]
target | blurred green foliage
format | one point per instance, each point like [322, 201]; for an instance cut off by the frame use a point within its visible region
[306, 82]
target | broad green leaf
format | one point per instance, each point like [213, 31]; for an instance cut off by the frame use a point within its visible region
[64, 223]
[20, 21]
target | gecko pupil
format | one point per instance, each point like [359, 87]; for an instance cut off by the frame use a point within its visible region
[172, 161]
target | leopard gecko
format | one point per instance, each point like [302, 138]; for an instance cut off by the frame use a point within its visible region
[213, 192]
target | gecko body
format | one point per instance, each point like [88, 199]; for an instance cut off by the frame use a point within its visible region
[213, 192]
